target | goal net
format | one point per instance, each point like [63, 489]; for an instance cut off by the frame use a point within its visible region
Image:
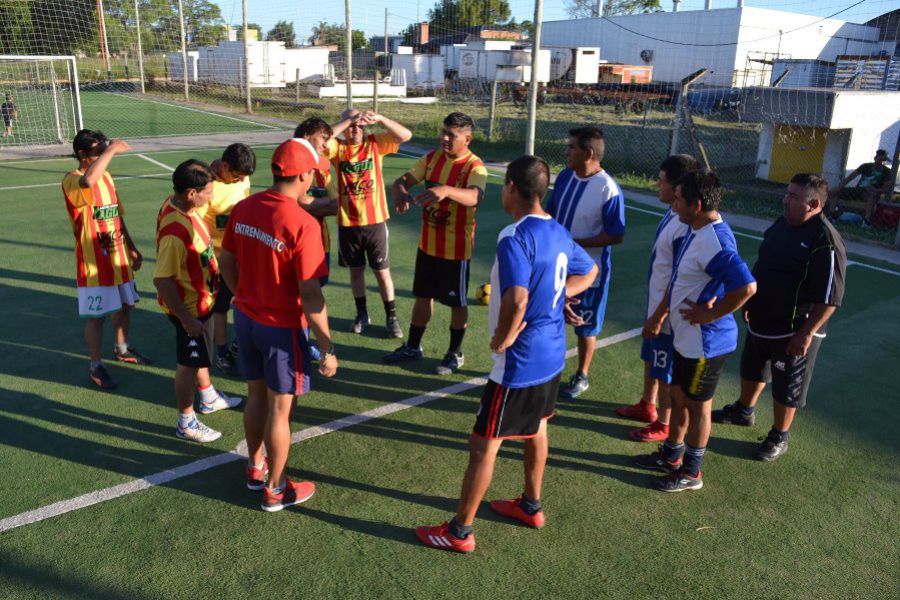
[39, 100]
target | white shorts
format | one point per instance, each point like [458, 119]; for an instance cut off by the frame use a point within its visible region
[101, 300]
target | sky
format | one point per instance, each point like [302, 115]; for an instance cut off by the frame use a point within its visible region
[368, 15]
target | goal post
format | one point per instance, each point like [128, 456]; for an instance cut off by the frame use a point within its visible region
[44, 105]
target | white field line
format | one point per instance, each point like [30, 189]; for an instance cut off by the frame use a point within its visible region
[240, 452]
[43, 185]
[156, 162]
[205, 112]
[3, 163]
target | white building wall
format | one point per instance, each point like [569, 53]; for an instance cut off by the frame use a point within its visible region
[874, 118]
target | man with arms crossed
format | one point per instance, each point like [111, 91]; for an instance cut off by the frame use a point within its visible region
[537, 267]
[800, 274]
[709, 282]
[186, 277]
[454, 181]
[105, 254]
[272, 258]
[363, 214]
[588, 203]
[658, 353]
[232, 184]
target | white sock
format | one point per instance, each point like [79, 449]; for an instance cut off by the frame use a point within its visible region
[122, 348]
[185, 419]
[208, 395]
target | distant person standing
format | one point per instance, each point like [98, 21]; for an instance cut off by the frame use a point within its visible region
[800, 274]
[588, 202]
[10, 113]
[874, 180]
[105, 254]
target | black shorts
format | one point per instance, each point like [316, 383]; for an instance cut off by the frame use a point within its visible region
[7, 121]
[356, 244]
[193, 352]
[766, 360]
[223, 298]
[515, 413]
[445, 280]
[698, 377]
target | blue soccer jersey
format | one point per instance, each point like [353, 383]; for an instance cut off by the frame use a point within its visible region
[707, 266]
[538, 254]
[588, 207]
[669, 234]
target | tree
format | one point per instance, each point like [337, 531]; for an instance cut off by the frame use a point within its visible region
[327, 34]
[580, 9]
[448, 16]
[283, 32]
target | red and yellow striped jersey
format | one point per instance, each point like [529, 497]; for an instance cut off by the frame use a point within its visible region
[101, 256]
[448, 227]
[360, 181]
[323, 187]
[215, 214]
[185, 253]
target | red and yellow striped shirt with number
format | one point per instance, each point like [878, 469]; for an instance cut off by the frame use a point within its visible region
[184, 252]
[101, 257]
[360, 181]
[448, 227]
[323, 187]
[215, 214]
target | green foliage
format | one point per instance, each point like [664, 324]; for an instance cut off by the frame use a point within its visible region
[580, 9]
[327, 34]
[283, 32]
[448, 16]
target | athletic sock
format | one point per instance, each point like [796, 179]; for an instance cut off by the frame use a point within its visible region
[745, 410]
[209, 394]
[361, 305]
[415, 336]
[672, 452]
[185, 419]
[456, 339]
[528, 505]
[459, 531]
[95, 364]
[122, 348]
[693, 458]
[780, 436]
[390, 308]
[222, 350]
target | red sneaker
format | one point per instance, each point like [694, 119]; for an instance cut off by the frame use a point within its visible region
[294, 492]
[642, 411]
[512, 509]
[654, 432]
[256, 478]
[439, 537]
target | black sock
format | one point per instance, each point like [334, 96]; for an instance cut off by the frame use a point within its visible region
[415, 336]
[222, 350]
[528, 505]
[780, 436]
[360, 305]
[746, 410]
[459, 531]
[390, 308]
[456, 339]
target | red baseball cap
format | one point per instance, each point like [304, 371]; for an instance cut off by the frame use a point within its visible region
[294, 157]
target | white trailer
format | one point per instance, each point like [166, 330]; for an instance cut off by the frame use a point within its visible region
[423, 71]
[176, 66]
[483, 64]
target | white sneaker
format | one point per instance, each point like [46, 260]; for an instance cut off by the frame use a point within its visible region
[197, 432]
[220, 403]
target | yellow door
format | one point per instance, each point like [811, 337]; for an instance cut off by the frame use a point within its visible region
[797, 150]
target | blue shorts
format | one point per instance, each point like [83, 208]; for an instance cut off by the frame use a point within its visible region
[592, 309]
[659, 353]
[277, 354]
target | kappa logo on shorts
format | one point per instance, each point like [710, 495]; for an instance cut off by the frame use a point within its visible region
[779, 364]
[195, 355]
[193, 344]
[452, 293]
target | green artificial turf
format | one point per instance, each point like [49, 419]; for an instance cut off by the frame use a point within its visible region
[821, 522]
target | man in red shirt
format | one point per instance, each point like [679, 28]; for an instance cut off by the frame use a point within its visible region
[272, 257]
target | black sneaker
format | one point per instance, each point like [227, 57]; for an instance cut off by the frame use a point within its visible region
[678, 481]
[131, 356]
[771, 448]
[227, 364]
[577, 385]
[234, 348]
[402, 354]
[451, 363]
[360, 323]
[103, 379]
[392, 324]
[731, 414]
[655, 462]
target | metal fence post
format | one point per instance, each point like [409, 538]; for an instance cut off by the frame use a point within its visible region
[140, 49]
[680, 105]
[533, 92]
[246, 65]
[349, 55]
[490, 136]
[184, 60]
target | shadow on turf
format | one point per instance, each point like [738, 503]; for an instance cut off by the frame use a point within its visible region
[45, 581]
[57, 280]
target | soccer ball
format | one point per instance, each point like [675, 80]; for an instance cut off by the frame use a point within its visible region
[483, 294]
